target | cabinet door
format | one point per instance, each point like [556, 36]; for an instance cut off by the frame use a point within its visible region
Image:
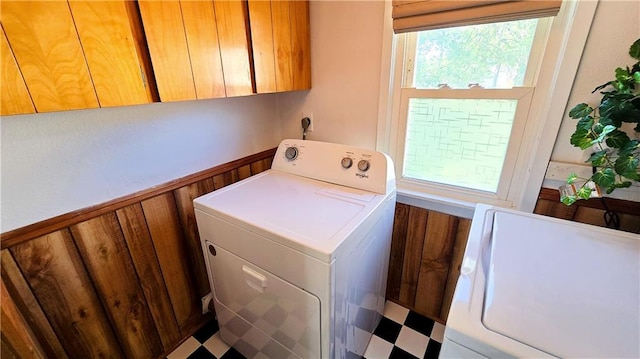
[46, 47]
[113, 44]
[232, 23]
[167, 43]
[204, 48]
[280, 43]
[15, 98]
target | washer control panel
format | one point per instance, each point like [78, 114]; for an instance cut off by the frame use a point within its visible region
[340, 164]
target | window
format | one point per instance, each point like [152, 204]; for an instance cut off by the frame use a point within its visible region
[467, 108]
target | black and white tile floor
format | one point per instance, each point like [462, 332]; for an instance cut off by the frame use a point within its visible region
[401, 334]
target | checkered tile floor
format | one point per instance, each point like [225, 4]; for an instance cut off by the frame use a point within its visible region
[401, 334]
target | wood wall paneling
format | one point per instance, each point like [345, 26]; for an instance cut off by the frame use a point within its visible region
[434, 267]
[56, 274]
[55, 71]
[464, 226]
[225, 179]
[16, 334]
[396, 260]
[163, 220]
[110, 267]
[143, 254]
[416, 229]
[426, 252]
[29, 307]
[184, 200]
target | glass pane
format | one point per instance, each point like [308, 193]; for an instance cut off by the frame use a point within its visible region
[460, 142]
[492, 55]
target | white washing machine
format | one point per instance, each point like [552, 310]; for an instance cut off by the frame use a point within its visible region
[297, 255]
[538, 287]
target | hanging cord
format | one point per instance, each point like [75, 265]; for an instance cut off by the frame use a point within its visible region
[611, 218]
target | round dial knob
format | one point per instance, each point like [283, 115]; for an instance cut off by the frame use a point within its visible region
[291, 153]
[363, 165]
[347, 162]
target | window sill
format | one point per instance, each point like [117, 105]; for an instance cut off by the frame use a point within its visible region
[436, 203]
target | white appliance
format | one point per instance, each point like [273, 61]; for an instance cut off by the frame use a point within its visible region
[297, 255]
[534, 286]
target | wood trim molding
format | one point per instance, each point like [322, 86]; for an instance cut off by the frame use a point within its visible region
[19, 235]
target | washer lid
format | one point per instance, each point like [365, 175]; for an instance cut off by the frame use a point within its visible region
[309, 215]
[570, 291]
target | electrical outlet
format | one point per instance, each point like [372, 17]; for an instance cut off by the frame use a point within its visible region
[310, 115]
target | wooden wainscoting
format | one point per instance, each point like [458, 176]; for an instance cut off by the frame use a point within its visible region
[426, 254]
[122, 279]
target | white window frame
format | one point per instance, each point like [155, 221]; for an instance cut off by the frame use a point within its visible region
[567, 37]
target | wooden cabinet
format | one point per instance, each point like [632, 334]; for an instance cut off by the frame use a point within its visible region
[199, 49]
[280, 44]
[76, 54]
[67, 55]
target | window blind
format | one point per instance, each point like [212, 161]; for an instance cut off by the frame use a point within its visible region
[416, 15]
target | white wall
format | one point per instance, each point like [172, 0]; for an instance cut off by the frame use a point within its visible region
[54, 163]
[346, 51]
[615, 27]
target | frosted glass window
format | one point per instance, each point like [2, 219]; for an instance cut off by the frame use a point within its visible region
[460, 142]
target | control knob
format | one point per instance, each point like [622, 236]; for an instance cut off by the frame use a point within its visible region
[363, 165]
[291, 153]
[347, 162]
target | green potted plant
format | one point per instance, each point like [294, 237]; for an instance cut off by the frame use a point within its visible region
[612, 131]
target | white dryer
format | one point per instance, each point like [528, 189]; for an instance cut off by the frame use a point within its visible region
[297, 255]
[540, 287]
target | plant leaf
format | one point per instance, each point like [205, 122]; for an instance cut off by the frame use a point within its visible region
[634, 50]
[568, 200]
[572, 178]
[603, 131]
[597, 159]
[625, 184]
[617, 139]
[580, 111]
[627, 166]
[604, 178]
[585, 123]
[584, 192]
[629, 148]
[581, 138]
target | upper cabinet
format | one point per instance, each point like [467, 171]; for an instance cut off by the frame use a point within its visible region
[280, 43]
[199, 49]
[206, 49]
[77, 54]
[66, 55]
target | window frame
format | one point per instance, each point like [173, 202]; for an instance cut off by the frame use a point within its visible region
[567, 36]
